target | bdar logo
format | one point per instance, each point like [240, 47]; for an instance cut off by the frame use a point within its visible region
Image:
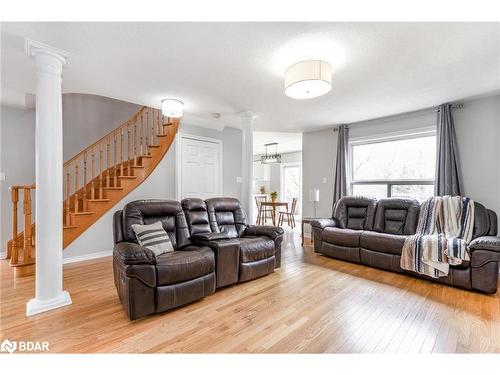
[8, 346]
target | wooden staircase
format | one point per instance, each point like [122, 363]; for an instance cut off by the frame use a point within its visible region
[96, 179]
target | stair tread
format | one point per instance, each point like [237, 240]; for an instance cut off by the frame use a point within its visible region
[154, 146]
[70, 226]
[113, 188]
[137, 166]
[83, 213]
[146, 156]
[162, 135]
[127, 177]
[99, 200]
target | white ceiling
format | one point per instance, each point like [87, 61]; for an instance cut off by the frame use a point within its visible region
[287, 142]
[379, 68]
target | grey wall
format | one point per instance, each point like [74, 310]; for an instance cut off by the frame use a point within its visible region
[17, 161]
[87, 118]
[477, 127]
[478, 133]
[319, 150]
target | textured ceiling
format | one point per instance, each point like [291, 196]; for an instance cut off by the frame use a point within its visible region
[379, 68]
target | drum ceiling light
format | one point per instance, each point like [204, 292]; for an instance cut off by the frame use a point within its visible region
[173, 108]
[308, 79]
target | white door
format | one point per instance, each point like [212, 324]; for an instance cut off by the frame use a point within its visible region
[200, 169]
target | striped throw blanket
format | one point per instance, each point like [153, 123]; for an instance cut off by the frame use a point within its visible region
[444, 230]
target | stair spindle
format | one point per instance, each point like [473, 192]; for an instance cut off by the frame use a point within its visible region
[108, 184]
[14, 255]
[92, 178]
[146, 130]
[141, 137]
[100, 172]
[27, 225]
[135, 143]
[75, 199]
[84, 197]
[128, 149]
[121, 151]
[68, 216]
[115, 171]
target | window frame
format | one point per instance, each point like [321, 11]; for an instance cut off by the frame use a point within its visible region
[386, 137]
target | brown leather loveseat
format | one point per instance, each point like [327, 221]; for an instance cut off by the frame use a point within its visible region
[371, 232]
[214, 247]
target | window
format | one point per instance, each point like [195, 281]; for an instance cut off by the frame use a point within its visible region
[397, 166]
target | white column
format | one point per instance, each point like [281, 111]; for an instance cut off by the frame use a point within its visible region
[49, 293]
[247, 119]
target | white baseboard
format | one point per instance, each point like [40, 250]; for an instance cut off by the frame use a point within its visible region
[3, 255]
[81, 258]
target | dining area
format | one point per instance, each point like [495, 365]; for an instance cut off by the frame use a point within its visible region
[270, 209]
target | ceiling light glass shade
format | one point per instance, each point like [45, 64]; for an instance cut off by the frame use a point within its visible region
[172, 108]
[308, 79]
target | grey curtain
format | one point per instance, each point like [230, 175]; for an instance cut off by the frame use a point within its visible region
[340, 186]
[447, 168]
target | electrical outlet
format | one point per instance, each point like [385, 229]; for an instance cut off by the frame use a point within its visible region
[2, 176]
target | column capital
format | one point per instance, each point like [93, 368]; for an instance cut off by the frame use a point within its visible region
[34, 48]
[247, 115]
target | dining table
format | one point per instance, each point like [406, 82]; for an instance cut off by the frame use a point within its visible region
[274, 205]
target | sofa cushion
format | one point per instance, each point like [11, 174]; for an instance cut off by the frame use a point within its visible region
[355, 212]
[226, 215]
[342, 237]
[396, 216]
[382, 242]
[255, 248]
[168, 212]
[196, 213]
[183, 265]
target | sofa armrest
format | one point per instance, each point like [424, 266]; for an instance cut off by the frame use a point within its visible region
[209, 236]
[490, 243]
[130, 253]
[263, 230]
[324, 223]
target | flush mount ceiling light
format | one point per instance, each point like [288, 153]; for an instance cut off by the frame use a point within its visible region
[308, 79]
[172, 108]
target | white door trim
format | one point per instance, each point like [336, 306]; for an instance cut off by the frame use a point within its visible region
[178, 160]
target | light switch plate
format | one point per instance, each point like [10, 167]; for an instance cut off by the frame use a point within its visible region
[2, 176]
[324, 180]
[239, 180]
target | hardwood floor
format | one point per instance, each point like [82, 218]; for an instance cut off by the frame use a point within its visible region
[313, 304]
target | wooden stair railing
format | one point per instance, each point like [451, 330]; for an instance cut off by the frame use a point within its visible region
[97, 178]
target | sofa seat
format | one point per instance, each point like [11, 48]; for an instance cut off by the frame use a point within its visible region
[342, 237]
[182, 265]
[382, 242]
[254, 248]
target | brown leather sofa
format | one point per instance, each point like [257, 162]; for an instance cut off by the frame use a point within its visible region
[242, 252]
[214, 247]
[371, 232]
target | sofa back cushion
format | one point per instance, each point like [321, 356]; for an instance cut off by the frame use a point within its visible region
[168, 212]
[481, 221]
[196, 213]
[493, 223]
[355, 212]
[226, 215]
[396, 216]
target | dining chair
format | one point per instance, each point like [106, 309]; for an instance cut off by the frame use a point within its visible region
[290, 215]
[262, 211]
